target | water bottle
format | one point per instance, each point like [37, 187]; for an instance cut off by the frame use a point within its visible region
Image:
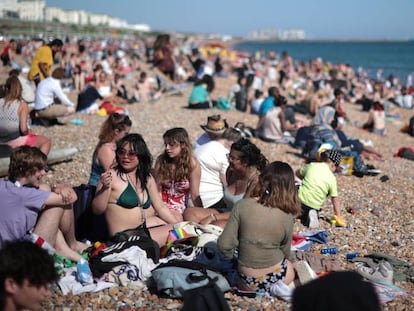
[39, 241]
[84, 274]
[354, 255]
[329, 250]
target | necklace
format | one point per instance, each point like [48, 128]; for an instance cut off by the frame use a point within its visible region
[139, 199]
[135, 186]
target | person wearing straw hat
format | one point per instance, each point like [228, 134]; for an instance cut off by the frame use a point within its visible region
[213, 159]
[214, 128]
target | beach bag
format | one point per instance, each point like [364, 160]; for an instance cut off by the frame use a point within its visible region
[245, 131]
[210, 256]
[411, 127]
[173, 278]
[405, 152]
[205, 298]
[359, 168]
[347, 164]
[99, 266]
[88, 225]
[223, 103]
[241, 100]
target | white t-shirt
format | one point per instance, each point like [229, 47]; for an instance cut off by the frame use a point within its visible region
[46, 92]
[407, 101]
[203, 139]
[213, 162]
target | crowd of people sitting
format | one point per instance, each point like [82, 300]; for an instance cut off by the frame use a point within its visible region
[222, 179]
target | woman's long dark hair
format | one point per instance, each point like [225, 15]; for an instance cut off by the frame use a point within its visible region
[208, 80]
[138, 145]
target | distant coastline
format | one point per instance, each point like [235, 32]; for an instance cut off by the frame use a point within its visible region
[244, 40]
[232, 44]
[391, 56]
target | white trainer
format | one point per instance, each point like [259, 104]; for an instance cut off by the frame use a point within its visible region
[313, 219]
[383, 273]
[281, 290]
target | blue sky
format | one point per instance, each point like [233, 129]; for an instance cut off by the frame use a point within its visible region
[385, 19]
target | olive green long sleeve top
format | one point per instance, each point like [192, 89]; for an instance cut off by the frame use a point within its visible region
[263, 235]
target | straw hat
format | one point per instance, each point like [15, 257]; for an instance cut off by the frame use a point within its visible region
[215, 124]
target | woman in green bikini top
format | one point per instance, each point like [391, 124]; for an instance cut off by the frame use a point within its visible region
[129, 198]
[128, 194]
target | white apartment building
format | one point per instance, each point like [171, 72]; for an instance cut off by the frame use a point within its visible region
[292, 34]
[55, 14]
[98, 19]
[116, 22]
[8, 9]
[36, 10]
[31, 10]
[140, 27]
[77, 17]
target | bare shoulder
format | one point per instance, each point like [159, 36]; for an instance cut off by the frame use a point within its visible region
[107, 147]
[194, 162]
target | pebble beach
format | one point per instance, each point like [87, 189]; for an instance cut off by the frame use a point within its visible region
[384, 210]
[383, 221]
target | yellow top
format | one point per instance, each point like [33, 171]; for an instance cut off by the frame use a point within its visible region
[43, 55]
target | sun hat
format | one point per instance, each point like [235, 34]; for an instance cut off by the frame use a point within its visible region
[215, 124]
[334, 156]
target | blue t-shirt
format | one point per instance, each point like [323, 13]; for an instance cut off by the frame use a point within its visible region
[266, 105]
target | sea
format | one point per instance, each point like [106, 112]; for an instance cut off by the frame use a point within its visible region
[392, 57]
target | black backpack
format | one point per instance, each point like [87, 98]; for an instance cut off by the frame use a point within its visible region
[205, 298]
[411, 127]
[88, 225]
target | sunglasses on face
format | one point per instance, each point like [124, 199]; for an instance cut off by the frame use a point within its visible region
[129, 153]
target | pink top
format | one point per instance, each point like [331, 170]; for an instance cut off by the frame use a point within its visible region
[175, 194]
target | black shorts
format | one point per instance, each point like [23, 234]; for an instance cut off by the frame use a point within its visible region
[220, 206]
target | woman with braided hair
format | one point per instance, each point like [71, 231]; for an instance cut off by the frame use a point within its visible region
[245, 164]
